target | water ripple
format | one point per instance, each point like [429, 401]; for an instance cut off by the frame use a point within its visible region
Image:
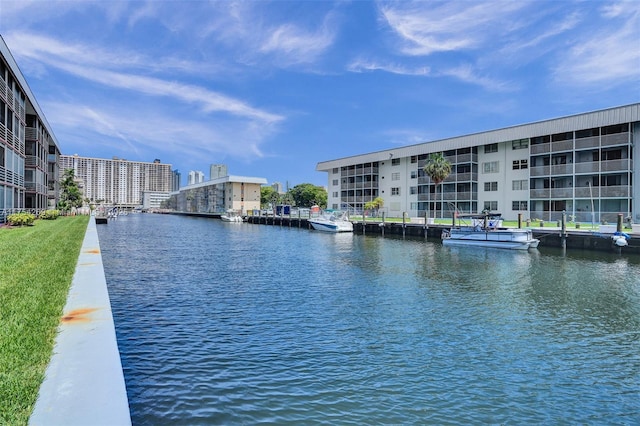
[258, 324]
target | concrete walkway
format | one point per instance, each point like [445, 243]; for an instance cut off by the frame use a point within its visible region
[84, 384]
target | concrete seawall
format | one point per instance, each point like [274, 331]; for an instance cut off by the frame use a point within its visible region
[84, 383]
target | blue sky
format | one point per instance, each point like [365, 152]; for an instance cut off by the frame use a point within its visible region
[272, 88]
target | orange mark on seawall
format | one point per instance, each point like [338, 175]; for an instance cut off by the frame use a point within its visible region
[93, 251]
[78, 315]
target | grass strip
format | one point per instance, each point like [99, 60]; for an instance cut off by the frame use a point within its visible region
[37, 264]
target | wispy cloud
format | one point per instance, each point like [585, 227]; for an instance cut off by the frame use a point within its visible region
[425, 28]
[69, 59]
[122, 130]
[610, 55]
[362, 65]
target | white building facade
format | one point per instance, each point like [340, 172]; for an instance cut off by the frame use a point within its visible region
[117, 181]
[238, 193]
[581, 165]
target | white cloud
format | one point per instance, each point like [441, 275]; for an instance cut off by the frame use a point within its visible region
[361, 65]
[429, 27]
[71, 59]
[123, 129]
[468, 74]
[609, 54]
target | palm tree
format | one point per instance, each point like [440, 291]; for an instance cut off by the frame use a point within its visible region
[438, 168]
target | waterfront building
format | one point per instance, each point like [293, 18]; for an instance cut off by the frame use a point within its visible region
[118, 181]
[238, 193]
[29, 150]
[582, 165]
[153, 200]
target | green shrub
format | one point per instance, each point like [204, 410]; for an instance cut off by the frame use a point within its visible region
[49, 214]
[21, 219]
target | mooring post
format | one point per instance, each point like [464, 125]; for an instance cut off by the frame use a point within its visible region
[519, 220]
[425, 226]
[382, 224]
[404, 223]
[364, 222]
[619, 225]
[563, 230]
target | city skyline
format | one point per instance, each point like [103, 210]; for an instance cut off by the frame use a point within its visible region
[272, 88]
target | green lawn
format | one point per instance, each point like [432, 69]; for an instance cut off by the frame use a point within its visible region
[36, 268]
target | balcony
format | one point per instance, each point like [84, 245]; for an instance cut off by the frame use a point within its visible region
[539, 171]
[588, 167]
[561, 193]
[562, 169]
[30, 133]
[622, 165]
[585, 192]
[617, 139]
[562, 146]
[540, 148]
[617, 191]
[586, 143]
[539, 193]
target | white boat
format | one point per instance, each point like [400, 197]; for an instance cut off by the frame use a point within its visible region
[489, 236]
[231, 216]
[333, 222]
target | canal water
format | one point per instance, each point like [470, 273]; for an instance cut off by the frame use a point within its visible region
[222, 323]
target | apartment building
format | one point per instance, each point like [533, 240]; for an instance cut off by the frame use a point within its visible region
[238, 193]
[29, 150]
[582, 165]
[118, 181]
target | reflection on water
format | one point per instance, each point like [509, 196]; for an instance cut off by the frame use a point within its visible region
[248, 324]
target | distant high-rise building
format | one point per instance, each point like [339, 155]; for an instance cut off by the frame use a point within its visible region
[217, 171]
[175, 180]
[277, 186]
[118, 181]
[195, 176]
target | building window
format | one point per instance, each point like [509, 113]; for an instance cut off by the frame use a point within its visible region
[413, 190]
[520, 185]
[490, 167]
[520, 164]
[520, 144]
[395, 161]
[519, 205]
[414, 159]
[491, 205]
[395, 176]
[335, 194]
[414, 174]
[335, 182]
[490, 186]
[335, 170]
[395, 191]
[413, 206]
[492, 147]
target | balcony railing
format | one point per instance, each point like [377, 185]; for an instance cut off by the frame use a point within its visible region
[590, 142]
[539, 171]
[588, 167]
[539, 193]
[540, 148]
[562, 146]
[562, 169]
[622, 165]
[616, 139]
[561, 193]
